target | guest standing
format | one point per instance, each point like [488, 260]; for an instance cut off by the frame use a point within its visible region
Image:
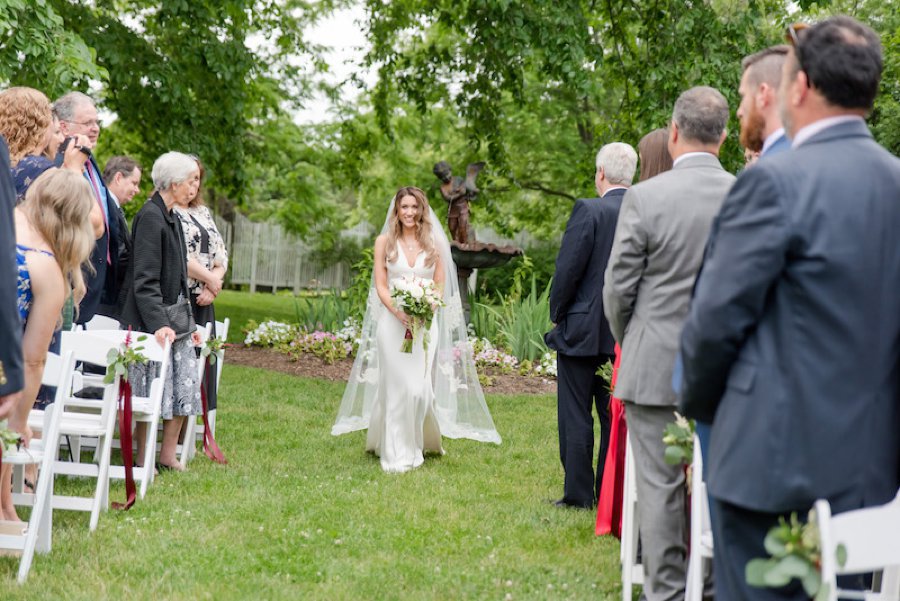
[156, 279]
[122, 176]
[53, 239]
[662, 229]
[581, 334]
[791, 347]
[207, 263]
[78, 116]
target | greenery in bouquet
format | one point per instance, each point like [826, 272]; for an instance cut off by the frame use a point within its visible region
[214, 349]
[119, 360]
[419, 298]
[8, 437]
[795, 551]
[606, 371]
[679, 440]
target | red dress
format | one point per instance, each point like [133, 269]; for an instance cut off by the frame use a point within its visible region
[609, 505]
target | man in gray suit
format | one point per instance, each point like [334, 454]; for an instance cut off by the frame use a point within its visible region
[791, 346]
[658, 248]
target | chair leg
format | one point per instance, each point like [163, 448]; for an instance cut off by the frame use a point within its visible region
[101, 495]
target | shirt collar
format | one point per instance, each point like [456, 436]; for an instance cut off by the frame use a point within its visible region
[688, 155]
[771, 139]
[821, 125]
[611, 188]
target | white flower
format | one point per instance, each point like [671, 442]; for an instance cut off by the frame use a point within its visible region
[416, 291]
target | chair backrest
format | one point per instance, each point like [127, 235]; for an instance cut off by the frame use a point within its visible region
[222, 328]
[868, 538]
[101, 322]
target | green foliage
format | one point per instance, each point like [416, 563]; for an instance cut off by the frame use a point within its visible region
[606, 371]
[8, 437]
[522, 322]
[539, 261]
[358, 293]
[38, 50]
[795, 552]
[481, 319]
[118, 361]
[326, 312]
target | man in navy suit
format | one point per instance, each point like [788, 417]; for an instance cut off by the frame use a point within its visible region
[12, 376]
[78, 115]
[791, 345]
[581, 333]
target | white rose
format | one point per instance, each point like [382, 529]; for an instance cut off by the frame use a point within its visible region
[416, 291]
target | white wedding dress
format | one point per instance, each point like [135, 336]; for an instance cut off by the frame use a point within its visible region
[403, 425]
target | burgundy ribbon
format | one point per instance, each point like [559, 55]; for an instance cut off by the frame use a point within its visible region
[124, 403]
[210, 447]
[408, 335]
[125, 436]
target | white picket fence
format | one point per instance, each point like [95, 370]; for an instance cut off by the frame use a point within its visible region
[264, 254]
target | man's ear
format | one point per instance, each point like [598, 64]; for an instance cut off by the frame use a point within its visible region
[765, 96]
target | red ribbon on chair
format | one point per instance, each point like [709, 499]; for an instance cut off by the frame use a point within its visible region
[125, 439]
[210, 447]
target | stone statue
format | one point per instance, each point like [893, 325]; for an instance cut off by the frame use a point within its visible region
[458, 192]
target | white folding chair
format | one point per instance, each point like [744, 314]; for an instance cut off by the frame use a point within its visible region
[145, 409]
[869, 540]
[38, 536]
[701, 553]
[101, 322]
[632, 570]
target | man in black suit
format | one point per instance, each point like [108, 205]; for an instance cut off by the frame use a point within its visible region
[122, 176]
[791, 346]
[78, 115]
[581, 333]
[12, 376]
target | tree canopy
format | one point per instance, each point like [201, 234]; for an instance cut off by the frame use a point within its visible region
[532, 88]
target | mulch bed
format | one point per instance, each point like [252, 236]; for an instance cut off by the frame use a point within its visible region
[310, 366]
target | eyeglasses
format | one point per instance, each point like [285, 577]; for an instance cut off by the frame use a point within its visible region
[793, 34]
[793, 37]
[91, 123]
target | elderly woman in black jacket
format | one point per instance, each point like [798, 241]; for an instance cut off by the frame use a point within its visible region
[157, 279]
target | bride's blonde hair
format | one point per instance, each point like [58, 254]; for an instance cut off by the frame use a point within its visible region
[423, 226]
[58, 206]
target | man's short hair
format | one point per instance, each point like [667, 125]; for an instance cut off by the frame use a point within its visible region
[842, 60]
[65, 107]
[701, 114]
[765, 66]
[119, 164]
[618, 161]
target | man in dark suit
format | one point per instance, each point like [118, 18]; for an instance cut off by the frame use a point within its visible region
[791, 346]
[78, 115]
[12, 376]
[122, 176]
[581, 334]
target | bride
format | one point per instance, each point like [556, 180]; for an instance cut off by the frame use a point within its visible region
[409, 400]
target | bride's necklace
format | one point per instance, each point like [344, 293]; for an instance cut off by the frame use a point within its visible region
[410, 245]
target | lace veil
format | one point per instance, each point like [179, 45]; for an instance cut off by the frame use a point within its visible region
[458, 399]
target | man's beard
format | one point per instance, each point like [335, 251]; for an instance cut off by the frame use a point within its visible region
[752, 128]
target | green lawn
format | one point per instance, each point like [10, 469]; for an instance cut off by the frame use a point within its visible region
[241, 307]
[299, 514]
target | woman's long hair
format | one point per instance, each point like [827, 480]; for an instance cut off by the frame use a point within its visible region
[423, 226]
[25, 119]
[58, 206]
[197, 200]
[654, 152]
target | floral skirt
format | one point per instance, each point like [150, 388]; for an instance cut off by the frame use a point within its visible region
[181, 389]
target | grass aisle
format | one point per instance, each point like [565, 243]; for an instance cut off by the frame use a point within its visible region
[299, 514]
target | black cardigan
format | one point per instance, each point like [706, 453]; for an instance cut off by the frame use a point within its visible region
[158, 269]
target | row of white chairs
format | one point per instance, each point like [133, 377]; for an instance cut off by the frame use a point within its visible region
[869, 539]
[78, 419]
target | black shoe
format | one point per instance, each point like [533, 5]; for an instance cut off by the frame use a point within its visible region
[563, 504]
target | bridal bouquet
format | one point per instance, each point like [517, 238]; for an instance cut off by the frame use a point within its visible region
[418, 298]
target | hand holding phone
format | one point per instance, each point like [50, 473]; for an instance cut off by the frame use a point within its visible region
[75, 153]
